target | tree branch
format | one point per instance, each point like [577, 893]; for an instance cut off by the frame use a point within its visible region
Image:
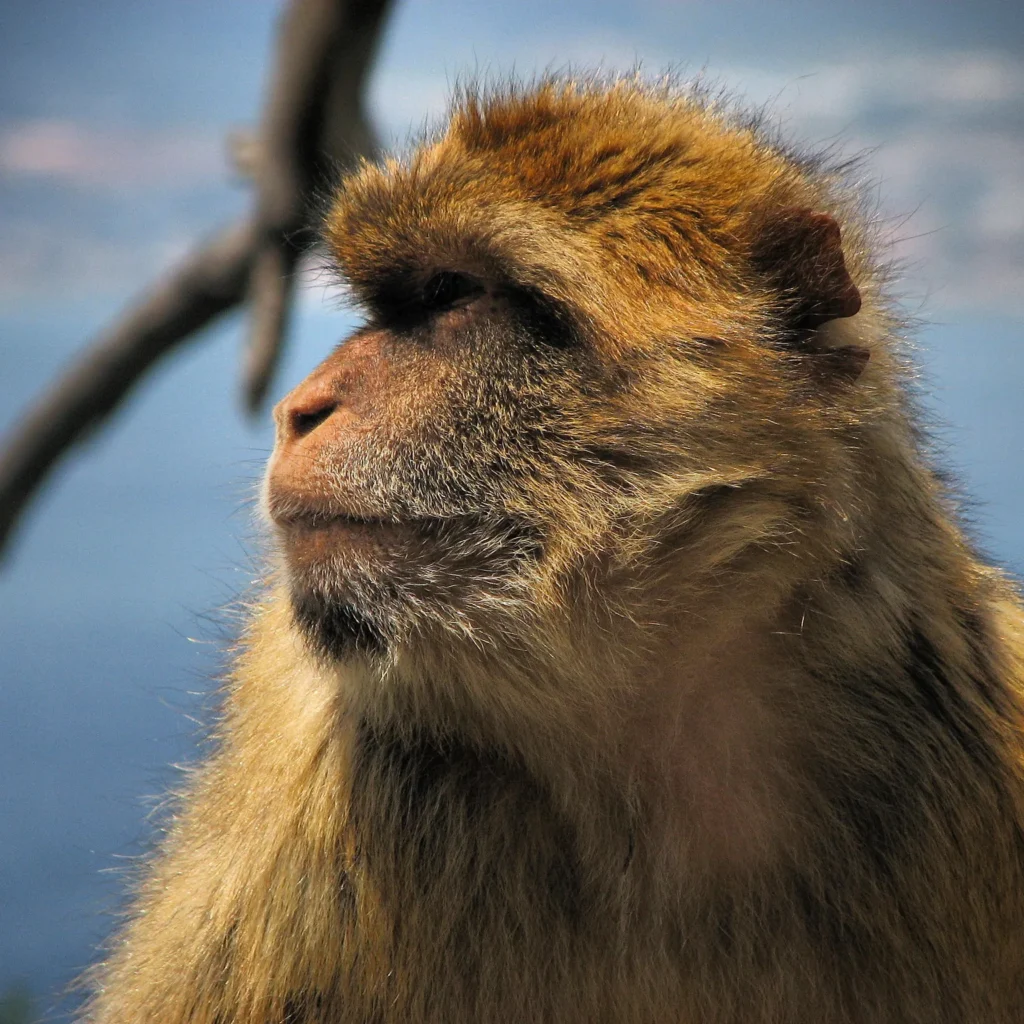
[314, 124]
[209, 283]
[302, 145]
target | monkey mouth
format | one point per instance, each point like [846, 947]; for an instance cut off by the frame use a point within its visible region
[310, 539]
[298, 516]
[309, 521]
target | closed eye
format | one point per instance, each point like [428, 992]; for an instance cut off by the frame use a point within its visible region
[448, 288]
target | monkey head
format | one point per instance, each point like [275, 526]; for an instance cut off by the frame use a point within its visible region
[598, 362]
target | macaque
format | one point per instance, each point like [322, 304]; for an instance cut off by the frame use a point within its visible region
[620, 658]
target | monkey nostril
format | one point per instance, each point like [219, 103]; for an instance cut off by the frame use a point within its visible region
[301, 411]
[303, 422]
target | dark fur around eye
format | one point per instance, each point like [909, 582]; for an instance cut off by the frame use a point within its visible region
[402, 301]
[546, 322]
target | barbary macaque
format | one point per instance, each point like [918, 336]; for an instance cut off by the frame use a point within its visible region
[620, 657]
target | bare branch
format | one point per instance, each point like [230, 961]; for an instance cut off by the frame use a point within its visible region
[209, 283]
[324, 53]
[314, 123]
[271, 285]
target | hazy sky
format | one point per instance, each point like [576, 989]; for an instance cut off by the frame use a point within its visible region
[113, 114]
[113, 118]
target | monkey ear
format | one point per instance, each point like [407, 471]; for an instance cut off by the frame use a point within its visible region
[801, 252]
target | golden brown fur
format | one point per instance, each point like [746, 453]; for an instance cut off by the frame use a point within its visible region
[646, 675]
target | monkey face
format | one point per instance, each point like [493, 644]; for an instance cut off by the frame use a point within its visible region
[415, 468]
[594, 329]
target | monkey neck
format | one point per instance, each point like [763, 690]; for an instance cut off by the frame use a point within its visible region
[668, 739]
[428, 810]
[706, 746]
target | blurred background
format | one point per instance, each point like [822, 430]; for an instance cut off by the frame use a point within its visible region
[113, 121]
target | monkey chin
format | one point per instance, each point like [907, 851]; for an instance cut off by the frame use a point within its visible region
[329, 562]
[335, 629]
[365, 586]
